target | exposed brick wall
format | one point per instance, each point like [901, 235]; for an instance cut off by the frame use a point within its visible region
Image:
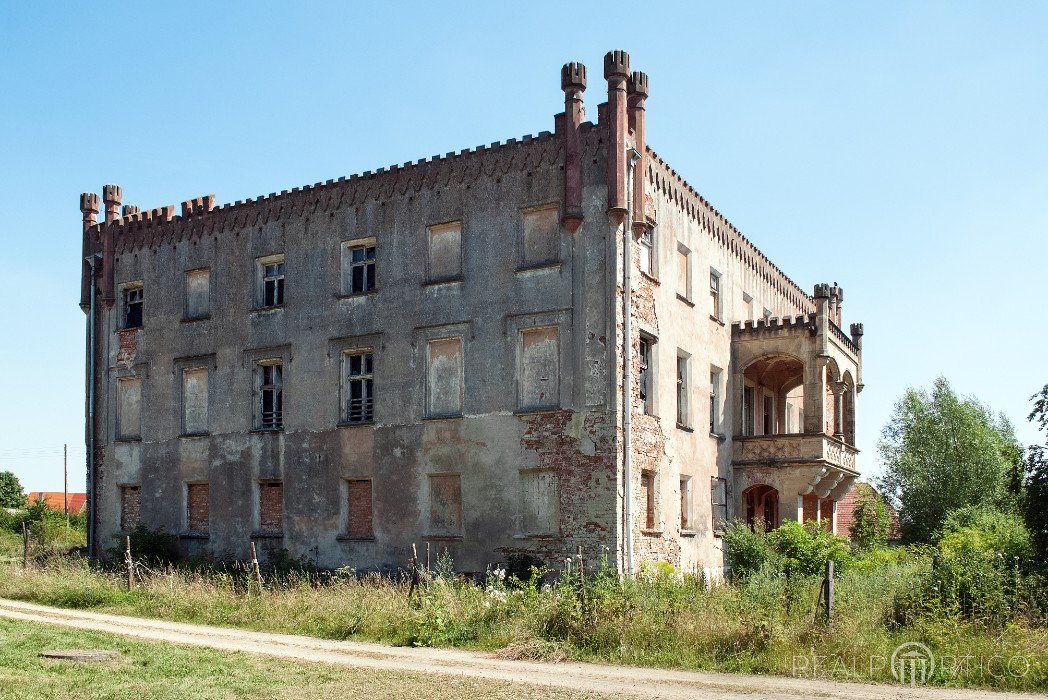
[128, 346]
[271, 506]
[359, 521]
[130, 507]
[846, 512]
[199, 506]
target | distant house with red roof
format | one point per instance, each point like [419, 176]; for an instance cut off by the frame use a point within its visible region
[847, 506]
[55, 500]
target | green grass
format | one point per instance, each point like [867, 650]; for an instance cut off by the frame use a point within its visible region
[767, 625]
[158, 671]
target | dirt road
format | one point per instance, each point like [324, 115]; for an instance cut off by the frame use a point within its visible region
[587, 678]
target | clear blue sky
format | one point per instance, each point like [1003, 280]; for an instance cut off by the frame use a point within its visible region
[900, 149]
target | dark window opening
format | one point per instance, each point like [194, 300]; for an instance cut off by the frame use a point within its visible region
[362, 269]
[273, 284]
[271, 389]
[359, 388]
[133, 307]
[644, 383]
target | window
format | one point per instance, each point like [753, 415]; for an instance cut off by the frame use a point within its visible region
[715, 291]
[198, 508]
[358, 389]
[271, 395]
[644, 383]
[271, 278]
[129, 408]
[194, 401]
[130, 507]
[539, 369]
[646, 249]
[358, 267]
[647, 498]
[445, 504]
[198, 294]
[445, 252]
[769, 415]
[133, 305]
[719, 501]
[541, 238]
[682, 388]
[714, 399]
[271, 507]
[683, 272]
[444, 377]
[747, 410]
[685, 503]
[540, 502]
[359, 509]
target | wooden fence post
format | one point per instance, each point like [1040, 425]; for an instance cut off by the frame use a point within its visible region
[25, 546]
[414, 571]
[829, 592]
[129, 562]
[255, 568]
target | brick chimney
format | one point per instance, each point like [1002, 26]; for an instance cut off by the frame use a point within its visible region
[638, 93]
[573, 83]
[617, 72]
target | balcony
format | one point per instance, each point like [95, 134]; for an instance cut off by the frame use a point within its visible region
[793, 450]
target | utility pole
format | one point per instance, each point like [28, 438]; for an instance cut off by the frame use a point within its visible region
[65, 481]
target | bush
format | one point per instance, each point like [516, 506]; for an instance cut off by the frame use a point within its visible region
[872, 523]
[151, 546]
[983, 557]
[792, 549]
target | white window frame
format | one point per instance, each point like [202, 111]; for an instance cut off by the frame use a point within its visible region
[275, 385]
[278, 277]
[366, 378]
[716, 294]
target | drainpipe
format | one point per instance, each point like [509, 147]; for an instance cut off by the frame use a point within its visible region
[627, 373]
[91, 319]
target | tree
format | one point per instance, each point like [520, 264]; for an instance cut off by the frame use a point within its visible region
[11, 493]
[871, 523]
[1036, 501]
[941, 453]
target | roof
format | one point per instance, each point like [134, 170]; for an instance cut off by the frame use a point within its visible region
[55, 500]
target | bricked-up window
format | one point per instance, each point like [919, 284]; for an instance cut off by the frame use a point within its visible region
[194, 401]
[715, 393]
[685, 503]
[715, 294]
[270, 395]
[748, 405]
[359, 509]
[133, 294]
[646, 249]
[361, 262]
[358, 388]
[444, 377]
[540, 502]
[445, 251]
[539, 369]
[647, 499]
[644, 377]
[198, 293]
[271, 271]
[130, 507]
[541, 244]
[129, 408]
[445, 504]
[271, 506]
[198, 508]
[683, 272]
[719, 502]
[683, 390]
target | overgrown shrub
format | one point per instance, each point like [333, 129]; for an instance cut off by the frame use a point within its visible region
[792, 549]
[151, 546]
[871, 524]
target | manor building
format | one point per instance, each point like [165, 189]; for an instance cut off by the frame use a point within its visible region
[523, 348]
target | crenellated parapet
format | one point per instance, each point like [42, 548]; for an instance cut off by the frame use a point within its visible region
[665, 180]
[767, 327]
[201, 216]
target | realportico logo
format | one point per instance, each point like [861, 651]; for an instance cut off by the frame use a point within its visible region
[912, 664]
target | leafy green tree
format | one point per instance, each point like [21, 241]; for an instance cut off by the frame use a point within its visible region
[12, 495]
[1036, 501]
[871, 523]
[941, 453]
